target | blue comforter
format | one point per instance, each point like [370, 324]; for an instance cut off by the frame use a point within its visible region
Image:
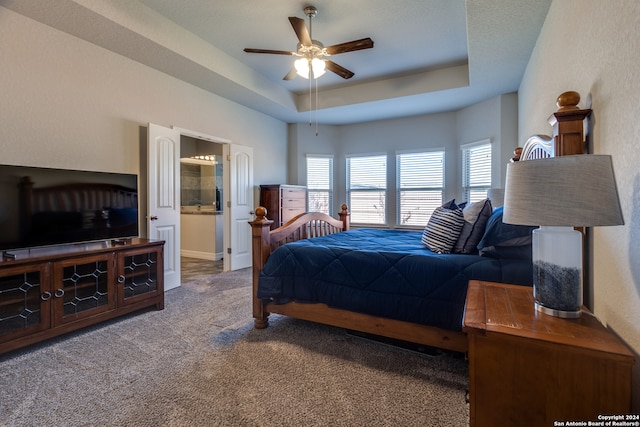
[386, 273]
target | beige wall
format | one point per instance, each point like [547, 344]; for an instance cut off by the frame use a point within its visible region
[494, 119]
[592, 47]
[67, 103]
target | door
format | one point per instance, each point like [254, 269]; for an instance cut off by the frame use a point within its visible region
[240, 206]
[163, 211]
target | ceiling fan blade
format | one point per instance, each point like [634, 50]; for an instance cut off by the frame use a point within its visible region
[301, 30]
[291, 74]
[350, 46]
[338, 69]
[275, 52]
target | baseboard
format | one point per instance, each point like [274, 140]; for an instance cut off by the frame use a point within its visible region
[201, 255]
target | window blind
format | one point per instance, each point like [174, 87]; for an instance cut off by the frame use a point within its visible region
[320, 183]
[476, 171]
[420, 186]
[367, 189]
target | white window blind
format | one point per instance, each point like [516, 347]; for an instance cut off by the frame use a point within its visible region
[420, 186]
[367, 189]
[320, 183]
[476, 171]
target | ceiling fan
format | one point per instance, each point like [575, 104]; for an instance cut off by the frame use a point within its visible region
[312, 53]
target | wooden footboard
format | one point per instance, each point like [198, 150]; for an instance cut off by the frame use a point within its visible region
[314, 224]
[264, 241]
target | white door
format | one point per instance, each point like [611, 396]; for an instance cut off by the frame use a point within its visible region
[240, 206]
[163, 210]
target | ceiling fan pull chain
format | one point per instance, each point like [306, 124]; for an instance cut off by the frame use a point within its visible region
[316, 106]
[310, 116]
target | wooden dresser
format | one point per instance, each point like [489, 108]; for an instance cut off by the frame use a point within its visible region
[529, 368]
[283, 202]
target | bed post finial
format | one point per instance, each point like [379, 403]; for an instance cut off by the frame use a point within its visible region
[344, 217]
[568, 125]
[261, 213]
[568, 101]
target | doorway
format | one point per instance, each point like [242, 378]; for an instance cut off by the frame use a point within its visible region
[164, 204]
[201, 199]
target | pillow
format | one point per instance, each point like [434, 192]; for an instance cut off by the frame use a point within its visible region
[508, 252]
[476, 216]
[451, 204]
[443, 229]
[497, 233]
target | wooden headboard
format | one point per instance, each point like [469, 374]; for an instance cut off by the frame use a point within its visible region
[568, 138]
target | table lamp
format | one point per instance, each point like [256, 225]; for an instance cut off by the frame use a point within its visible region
[558, 194]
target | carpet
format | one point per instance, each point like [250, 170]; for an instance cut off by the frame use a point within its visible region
[199, 362]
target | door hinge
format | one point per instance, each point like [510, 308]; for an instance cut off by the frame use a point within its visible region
[228, 157]
[229, 250]
[228, 203]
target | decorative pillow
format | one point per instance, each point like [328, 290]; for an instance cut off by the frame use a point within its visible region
[476, 216]
[497, 232]
[508, 252]
[443, 229]
[451, 204]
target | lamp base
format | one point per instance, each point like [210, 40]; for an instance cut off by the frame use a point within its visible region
[558, 313]
[557, 271]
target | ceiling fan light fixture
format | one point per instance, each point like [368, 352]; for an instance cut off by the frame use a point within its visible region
[302, 67]
[318, 66]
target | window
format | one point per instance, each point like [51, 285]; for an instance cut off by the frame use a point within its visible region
[420, 186]
[476, 170]
[367, 189]
[320, 183]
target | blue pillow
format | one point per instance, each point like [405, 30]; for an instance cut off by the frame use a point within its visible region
[508, 252]
[497, 233]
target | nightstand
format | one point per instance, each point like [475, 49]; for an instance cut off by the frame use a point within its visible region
[529, 368]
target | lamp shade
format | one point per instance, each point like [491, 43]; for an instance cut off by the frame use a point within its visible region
[575, 191]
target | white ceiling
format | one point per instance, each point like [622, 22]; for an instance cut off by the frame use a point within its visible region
[429, 55]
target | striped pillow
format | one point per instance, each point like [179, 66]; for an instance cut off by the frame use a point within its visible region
[443, 229]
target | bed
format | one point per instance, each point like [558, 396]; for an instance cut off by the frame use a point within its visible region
[385, 282]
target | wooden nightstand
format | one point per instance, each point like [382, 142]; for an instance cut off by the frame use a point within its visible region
[529, 368]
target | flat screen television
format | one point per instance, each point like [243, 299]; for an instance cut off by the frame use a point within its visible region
[45, 207]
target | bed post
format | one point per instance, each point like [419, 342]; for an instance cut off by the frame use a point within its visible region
[261, 246]
[568, 125]
[344, 217]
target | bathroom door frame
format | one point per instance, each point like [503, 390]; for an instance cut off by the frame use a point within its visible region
[226, 243]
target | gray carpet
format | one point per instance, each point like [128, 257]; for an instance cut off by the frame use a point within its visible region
[199, 362]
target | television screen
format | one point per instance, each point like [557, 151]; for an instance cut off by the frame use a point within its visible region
[44, 207]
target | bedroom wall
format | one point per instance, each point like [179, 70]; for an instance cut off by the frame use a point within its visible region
[592, 48]
[494, 119]
[384, 136]
[67, 103]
